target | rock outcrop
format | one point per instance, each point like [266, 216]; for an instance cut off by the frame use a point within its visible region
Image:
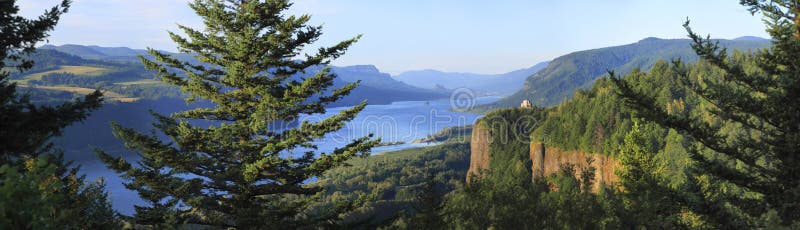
[550, 162]
[479, 150]
[545, 160]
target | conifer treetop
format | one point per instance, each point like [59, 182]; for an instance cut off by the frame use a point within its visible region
[250, 67]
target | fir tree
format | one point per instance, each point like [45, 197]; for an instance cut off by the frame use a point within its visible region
[648, 201]
[429, 205]
[764, 101]
[38, 189]
[242, 170]
[25, 128]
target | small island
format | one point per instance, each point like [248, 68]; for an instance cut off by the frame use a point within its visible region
[448, 133]
[390, 143]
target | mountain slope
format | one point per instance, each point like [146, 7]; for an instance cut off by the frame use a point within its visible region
[377, 87]
[118, 54]
[86, 52]
[370, 76]
[125, 74]
[579, 70]
[497, 84]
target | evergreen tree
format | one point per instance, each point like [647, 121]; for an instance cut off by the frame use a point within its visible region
[429, 205]
[242, 170]
[46, 193]
[38, 189]
[25, 128]
[649, 203]
[764, 101]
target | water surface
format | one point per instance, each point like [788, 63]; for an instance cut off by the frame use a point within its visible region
[399, 121]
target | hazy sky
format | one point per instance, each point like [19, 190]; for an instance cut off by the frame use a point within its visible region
[451, 35]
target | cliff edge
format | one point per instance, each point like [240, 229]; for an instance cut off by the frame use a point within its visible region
[544, 160]
[550, 162]
[479, 150]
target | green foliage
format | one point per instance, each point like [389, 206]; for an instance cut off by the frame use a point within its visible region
[146, 91]
[45, 193]
[48, 97]
[429, 205]
[562, 202]
[49, 60]
[509, 149]
[402, 183]
[242, 172]
[747, 155]
[649, 201]
[592, 121]
[505, 197]
[455, 133]
[566, 74]
[115, 75]
[24, 127]
[596, 120]
[57, 66]
[37, 189]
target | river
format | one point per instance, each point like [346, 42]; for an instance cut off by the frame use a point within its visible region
[402, 121]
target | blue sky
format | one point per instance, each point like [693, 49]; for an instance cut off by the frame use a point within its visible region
[450, 35]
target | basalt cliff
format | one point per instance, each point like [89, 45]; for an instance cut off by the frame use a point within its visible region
[544, 160]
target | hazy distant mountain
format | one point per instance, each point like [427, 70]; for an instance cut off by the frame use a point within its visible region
[579, 70]
[497, 84]
[376, 87]
[92, 52]
[750, 38]
[369, 75]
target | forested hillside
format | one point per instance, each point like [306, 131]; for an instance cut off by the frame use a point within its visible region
[566, 74]
[394, 182]
[594, 121]
[78, 68]
[247, 130]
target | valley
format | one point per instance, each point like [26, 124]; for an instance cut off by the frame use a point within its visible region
[551, 115]
[403, 121]
[417, 129]
[115, 70]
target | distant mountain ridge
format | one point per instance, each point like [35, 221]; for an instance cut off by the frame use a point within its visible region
[119, 54]
[375, 87]
[578, 70]
[94, 52]
[496, 84]
[750, 38]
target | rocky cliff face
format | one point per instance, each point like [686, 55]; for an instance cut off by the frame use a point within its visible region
[479, 150]
[545, 160]
[550, 162]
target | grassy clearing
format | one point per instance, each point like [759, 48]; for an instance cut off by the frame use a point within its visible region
[78, 70]
[108, 95]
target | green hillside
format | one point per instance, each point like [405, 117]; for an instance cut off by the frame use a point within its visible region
[77, 70]
[393, 180]
[74, 68]
[597, 121]
[579, 70]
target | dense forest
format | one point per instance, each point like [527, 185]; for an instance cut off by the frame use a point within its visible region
[658, 181]
[707, 140]
[579, 70]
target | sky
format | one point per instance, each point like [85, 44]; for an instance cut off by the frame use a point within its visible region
[475, 36]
